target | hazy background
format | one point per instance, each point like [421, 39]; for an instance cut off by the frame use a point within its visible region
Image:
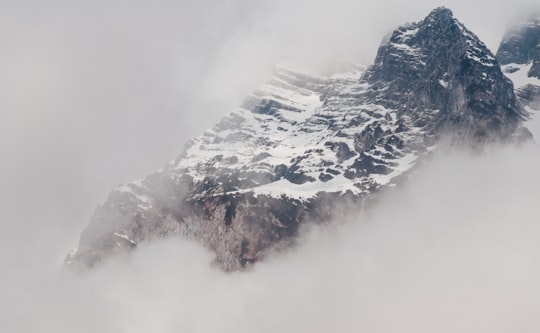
[94, 94]
[445, 254]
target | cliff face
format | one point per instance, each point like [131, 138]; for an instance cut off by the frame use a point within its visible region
[302, 144]
[519, 55]
[438, 64]
[520, 45]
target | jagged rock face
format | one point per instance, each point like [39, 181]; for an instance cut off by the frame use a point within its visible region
[521, 45]
[519, 53]
[446, 70]
[302, 144]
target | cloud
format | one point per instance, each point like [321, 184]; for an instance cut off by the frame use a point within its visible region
[93, 94]
[455, 250]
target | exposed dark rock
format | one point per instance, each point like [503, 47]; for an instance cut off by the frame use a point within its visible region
[336, 140]
[530, 95]
[324, 177]
[447, 79]
[519, 51]
[343, 152]
[520, 44]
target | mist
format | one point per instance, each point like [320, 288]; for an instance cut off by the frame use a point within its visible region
[455, 250]
[97, 94]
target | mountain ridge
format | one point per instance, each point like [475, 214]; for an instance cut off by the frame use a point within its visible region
[302, 144]
[519, 51]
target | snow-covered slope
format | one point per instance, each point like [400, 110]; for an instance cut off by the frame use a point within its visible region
[297, 136]
[302, 144]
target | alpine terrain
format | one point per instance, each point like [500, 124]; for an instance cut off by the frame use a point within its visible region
[519, 56]
[302, 144]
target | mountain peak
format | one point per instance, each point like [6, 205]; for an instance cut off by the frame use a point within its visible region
[438, 64]
[521, 46]
[303, 144]
[519, 53]
[441, 19]
[439, 37]
[440, 13]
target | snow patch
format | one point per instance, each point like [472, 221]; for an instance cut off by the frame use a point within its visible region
[519, 74]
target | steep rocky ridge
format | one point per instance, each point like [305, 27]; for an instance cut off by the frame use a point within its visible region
[303, 143]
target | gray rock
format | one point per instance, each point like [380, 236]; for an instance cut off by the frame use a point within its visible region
[303, 144]
[520, 51]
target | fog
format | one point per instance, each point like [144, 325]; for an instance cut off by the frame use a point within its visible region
[94, 94]
[455, 250]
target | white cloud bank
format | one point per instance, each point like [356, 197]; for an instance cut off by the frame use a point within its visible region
[93, 94]
[98, 93]
[456, 250]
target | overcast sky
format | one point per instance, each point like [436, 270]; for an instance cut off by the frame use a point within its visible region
[97, 93]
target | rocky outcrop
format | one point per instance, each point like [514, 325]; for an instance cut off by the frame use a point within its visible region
[303, 144]
[521, 45]
[440, 74]
[519, 55]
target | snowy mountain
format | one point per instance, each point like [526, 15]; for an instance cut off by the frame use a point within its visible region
[519, 55]
[302, 144]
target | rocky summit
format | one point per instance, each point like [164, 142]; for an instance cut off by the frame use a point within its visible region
[302, 144]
